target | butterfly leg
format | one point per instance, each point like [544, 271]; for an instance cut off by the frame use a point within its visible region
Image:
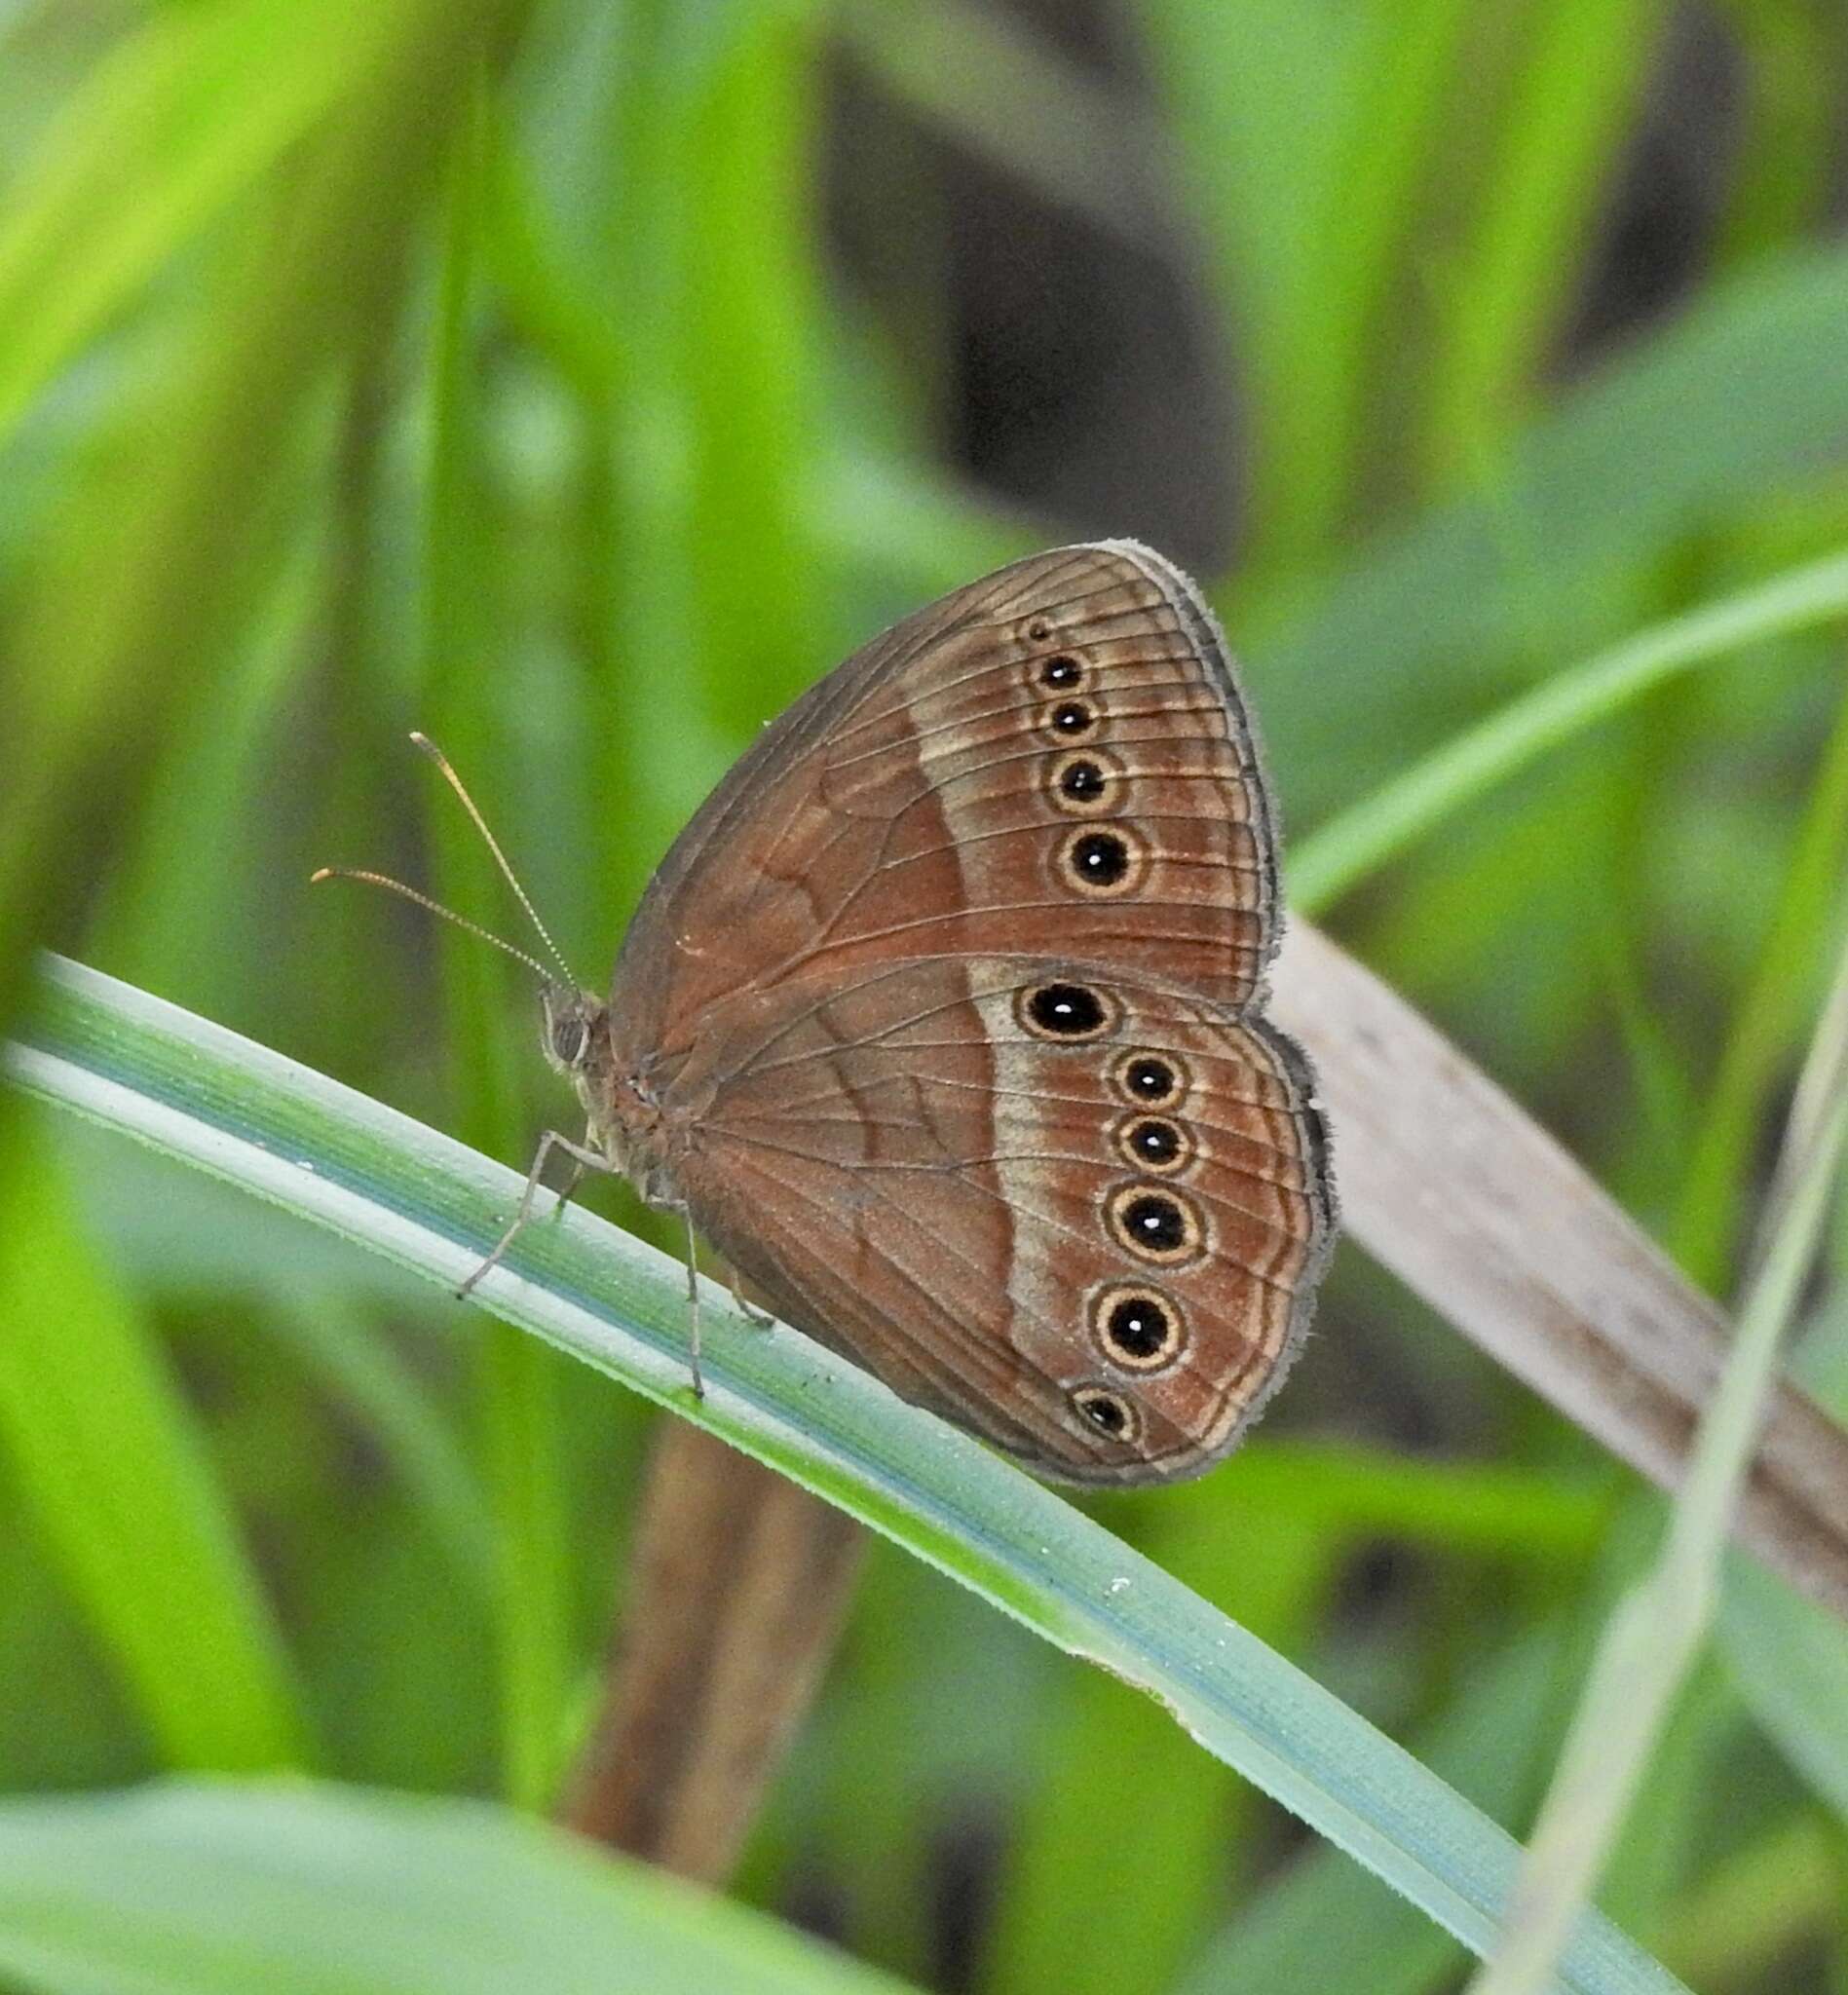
[585, 1159]
[578, 1168]
[748, 1309]
[692, 1307]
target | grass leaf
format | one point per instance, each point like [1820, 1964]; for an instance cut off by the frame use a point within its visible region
[248, 1115]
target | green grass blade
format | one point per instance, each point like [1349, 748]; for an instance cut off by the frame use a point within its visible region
[362, 1372]
[465, 590]
[1655, 1635]
[171, 126]
[1787, 965]
[188, 1888]
[1364, 838]
[115, 1474]
[1728, 410]
[251, 1116]
[1506, 296]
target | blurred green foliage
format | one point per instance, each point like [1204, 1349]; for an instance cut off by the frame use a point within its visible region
[577, 381]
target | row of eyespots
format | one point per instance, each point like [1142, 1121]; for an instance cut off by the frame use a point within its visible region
[1137, 1327]
[1085, 783]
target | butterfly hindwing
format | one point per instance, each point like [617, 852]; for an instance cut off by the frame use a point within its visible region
[1076, 1211]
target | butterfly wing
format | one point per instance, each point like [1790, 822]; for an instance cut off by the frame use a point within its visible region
[948, 999]
[1076, 1211]
[1061, 742]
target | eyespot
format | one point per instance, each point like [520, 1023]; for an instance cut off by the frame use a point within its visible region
[1155, 1224]
[1061, 671]
[1110, 1413]
[1085, 783]
[1152, 1142]
[1150, 1081]
[1138, 1329]
[1073, 1013]
[1039, 630]
[1103, 864]
[1071, 719]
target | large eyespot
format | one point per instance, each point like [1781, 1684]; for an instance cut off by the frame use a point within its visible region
[1085, 783]
[1150, 1081]
[1155, 1224]
[1103, 864]
[1152, 1142]
[1073, 1013]
[1062, 671]
[1138, 1329]
[1071, 719]
[1110, 1413]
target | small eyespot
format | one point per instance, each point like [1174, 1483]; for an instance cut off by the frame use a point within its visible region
[1150, 1081]
[1157, 1226]
[1152, 1142]
[1085, 783]
[1073, 1012]
[1103, 864]
[1039, 630]
[1061, 670]
[1139, 1329]
[1072, 718]
[1110, 1413]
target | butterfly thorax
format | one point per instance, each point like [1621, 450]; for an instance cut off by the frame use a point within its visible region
[623, 1111]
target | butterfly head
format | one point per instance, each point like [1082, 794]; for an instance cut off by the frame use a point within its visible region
[572, 1028]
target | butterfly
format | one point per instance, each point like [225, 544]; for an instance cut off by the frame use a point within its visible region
[943, 1020]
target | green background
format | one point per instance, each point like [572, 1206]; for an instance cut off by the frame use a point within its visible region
[576, 383]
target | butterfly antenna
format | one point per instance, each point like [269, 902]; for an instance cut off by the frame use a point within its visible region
[434, 907]
[436, 754]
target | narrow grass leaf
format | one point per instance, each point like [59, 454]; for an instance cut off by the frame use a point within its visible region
[195, 1889]
[176, 122]
[251, 1116]
[1654, 1636]
[119, 1485]
[1344, 850]
[1580, 78]
[1735, 404]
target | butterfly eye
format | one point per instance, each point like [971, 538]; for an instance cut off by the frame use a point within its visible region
[1103, 864]
[1139, 1329]
[568, 1036]
[1152, 1081]
[1110, 1413]
[1161, 1226]
[1152, 1142]
[1083, 784]
[1073, 1012]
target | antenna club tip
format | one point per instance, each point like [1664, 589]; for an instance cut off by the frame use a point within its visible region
[320, 874]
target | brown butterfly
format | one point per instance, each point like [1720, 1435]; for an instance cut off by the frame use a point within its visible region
[943, 1021]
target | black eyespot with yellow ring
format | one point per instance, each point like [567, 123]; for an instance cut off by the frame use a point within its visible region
[1085, 783]
[1103, 864]
[1110, 1413]
[1156, 1224]
[1066, 1013]
[1149, 1080]
[1153, 1143]
[1138, 1329]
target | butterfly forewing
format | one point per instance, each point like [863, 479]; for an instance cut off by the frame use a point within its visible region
[906, 988]
[1063, 738]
